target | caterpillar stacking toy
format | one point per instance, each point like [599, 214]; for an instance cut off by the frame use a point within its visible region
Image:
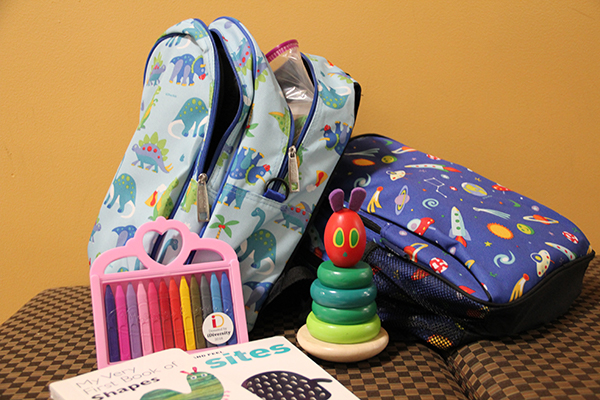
[343, 325]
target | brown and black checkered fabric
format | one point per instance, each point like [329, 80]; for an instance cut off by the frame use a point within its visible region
[52, 338]
[401, 371]
[558, 360]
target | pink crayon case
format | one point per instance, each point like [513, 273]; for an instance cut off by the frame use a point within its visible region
[194, 306]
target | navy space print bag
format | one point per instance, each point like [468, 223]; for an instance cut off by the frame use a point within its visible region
[456, 256]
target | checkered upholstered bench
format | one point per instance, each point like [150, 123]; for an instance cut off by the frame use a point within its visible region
[51, 338]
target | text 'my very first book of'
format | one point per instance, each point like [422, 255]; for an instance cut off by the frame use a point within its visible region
[270, 369]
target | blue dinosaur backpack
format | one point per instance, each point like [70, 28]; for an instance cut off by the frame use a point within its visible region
[215, 148]
[455, 256]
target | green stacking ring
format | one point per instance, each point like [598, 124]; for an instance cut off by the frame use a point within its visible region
[344, 316]
[342, 298]
[358, 276]
[343, 334]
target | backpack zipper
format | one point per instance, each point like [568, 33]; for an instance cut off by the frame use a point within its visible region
[293, 176]
[290, 162]
[202, 198]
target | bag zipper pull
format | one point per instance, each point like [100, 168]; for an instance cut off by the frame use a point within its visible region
[294, 177]
[202, 199]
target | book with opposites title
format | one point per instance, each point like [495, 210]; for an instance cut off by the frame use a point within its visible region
[271, 368]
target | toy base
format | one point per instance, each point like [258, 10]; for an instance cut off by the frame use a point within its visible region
[342, 352]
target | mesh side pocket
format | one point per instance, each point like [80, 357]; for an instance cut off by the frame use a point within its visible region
[412, 303]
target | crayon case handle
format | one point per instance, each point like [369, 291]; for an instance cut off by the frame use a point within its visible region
[135, 247]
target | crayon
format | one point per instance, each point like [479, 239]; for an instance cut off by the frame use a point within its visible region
[121, 306]
[228, 304]
[186, 315]
[144, 313]
[197, 313]
[205, 295]
[215, 293]
[165, 315]
[154, 309]
[134, 322]
[206, 302]
[178, 334]
[112, 333]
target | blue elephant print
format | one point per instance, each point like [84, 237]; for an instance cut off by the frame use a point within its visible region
[232, 194]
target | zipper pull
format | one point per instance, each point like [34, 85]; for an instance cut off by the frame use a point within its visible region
[202, 199]
[293, 175]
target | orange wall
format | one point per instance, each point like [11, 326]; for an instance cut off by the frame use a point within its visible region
[509, 89]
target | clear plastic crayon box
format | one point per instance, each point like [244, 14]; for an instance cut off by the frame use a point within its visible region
[192, 306]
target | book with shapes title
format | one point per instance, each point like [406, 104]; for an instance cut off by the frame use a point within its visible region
[270, 368]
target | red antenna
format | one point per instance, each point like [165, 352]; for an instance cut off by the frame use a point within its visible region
[189, 373]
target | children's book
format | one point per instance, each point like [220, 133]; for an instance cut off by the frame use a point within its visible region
[271, 368]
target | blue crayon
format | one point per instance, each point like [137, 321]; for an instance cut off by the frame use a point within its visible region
[228, 304]
[135, 339]
[215, 294]
[112, 332]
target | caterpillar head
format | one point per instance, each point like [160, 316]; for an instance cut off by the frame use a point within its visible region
[345, 236]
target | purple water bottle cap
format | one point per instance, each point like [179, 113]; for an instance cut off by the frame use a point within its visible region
[282, 48]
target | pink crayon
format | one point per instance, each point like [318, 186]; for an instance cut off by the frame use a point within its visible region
[122, 323]
[133, 318]
[144, 315]
[154, 309]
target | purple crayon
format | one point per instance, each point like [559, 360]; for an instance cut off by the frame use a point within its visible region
[112, 327]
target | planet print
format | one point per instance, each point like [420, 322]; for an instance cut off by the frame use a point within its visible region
[525, 229]
[474, 189]
[401, 199]
[500, 230]
[541, 219]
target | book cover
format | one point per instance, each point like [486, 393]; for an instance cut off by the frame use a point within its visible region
[271, 368]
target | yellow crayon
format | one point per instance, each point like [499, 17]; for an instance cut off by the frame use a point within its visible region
[186, 313]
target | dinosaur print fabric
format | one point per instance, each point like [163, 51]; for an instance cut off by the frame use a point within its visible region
[220, 169]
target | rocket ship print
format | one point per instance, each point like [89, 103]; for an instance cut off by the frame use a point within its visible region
[439, 167]
[519, 287]
[374, 202]
[458, 230]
